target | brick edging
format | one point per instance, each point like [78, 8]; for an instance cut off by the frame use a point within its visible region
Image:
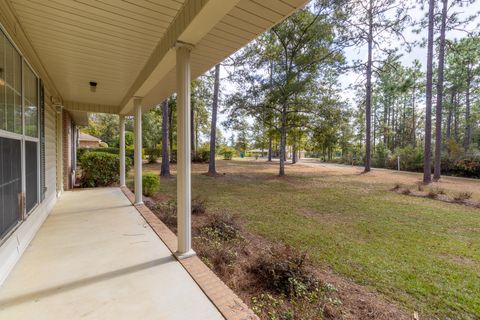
[223, 298]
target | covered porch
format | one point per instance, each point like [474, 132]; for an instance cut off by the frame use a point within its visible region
[96, 257]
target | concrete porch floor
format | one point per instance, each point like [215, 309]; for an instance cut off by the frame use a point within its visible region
[95, 257]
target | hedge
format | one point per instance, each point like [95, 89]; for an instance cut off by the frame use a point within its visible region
[128, 151]
[100, 169]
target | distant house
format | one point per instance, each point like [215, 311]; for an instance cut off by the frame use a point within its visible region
[258, 153]
[87, 141]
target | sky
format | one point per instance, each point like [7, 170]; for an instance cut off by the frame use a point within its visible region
[351, 54]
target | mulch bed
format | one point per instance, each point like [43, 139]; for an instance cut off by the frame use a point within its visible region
[436, 196]
[343, 300]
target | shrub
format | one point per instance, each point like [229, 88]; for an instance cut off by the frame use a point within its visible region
[432, 194]
[381, 156]
[153, 154]
[283, 270]
[396, 187]
[219, 242]
[150, 183]
[167, 212]
[103, 145]
[225, 225]
[462, 196]
[411, 159]
[201, 155]
[128, 151]
[228, 155]
[467, 167]
[100, 169]
[199, 206]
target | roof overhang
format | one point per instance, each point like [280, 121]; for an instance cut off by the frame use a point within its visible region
[80, 118]
[128, 47]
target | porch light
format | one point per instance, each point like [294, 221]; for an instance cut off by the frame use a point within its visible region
[93, 86]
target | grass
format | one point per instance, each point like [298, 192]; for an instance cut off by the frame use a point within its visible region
[422, 253]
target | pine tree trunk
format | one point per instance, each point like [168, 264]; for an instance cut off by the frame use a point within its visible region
[449, 118]
[427, 169]
[283, 141]
[294, 151]
[270, 147]
[438, 112]
[455, 121]
[165, 169]
[414, 125]
[468, 129]
[368, 102]
[170, 134]
[212, 170]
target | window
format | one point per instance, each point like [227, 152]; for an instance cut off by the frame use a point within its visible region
[30, 102]
[10, 183]
[3, 110]
[21, 142]
[31, 175]
[13, 86]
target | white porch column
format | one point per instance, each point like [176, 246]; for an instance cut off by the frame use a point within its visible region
[184, 196]
[137, 107]
[122, 151]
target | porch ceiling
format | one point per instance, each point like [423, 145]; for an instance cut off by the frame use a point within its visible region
[126, 46]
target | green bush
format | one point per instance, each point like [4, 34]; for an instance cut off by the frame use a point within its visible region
[227, 152]
[202, 155]
[468, 167]
[99, 169]
[128, 151]
[153, 154]
[411, 159]
[150, 183]
[103, 145]
[381, 156]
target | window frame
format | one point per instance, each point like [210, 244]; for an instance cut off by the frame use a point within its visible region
[22, 137]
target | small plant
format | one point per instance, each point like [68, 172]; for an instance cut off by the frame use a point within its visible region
[406, 191]
[225, 225]
[397, 187]
[150, 183]
[199, 206]
[219, 242]
[420, 186]
[432, 194]
[166, 211]
[283, 270]
[462, 196]
[435, 192]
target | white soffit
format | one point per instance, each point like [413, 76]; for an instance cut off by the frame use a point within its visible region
[107, 41]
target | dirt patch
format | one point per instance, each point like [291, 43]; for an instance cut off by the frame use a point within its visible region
[459, 260]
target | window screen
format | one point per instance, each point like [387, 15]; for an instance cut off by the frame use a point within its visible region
[31, 174]
[10, 183]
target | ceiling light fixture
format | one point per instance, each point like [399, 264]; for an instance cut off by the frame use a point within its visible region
[93, 86]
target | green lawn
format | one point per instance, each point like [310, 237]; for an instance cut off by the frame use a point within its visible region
[422, 253]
